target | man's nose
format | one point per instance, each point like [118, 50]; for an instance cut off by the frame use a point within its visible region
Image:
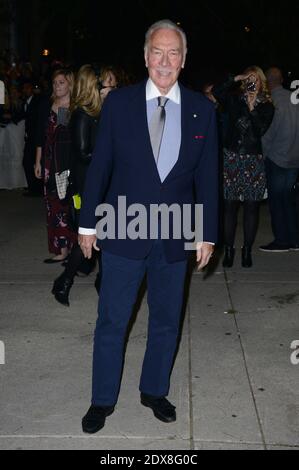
[165, 60]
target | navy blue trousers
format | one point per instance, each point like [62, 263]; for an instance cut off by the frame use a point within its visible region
[121, 280]
[282, 203]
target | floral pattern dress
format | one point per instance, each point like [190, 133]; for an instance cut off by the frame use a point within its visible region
[244, 177]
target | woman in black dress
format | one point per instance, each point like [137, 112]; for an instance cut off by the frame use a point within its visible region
[249, 116]
[85, 110]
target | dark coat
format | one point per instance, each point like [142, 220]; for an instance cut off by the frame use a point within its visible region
[83, 130]
[245, 129]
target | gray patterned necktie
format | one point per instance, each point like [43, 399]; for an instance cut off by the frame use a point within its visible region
[157, 125]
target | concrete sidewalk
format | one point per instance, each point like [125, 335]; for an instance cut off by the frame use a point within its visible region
[233, 384]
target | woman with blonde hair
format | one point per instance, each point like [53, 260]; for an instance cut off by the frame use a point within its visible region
[250, 114]
[85, 111]
[53, 156]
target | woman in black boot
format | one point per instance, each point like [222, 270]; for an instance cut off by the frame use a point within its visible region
[250, 115]
[85, 108]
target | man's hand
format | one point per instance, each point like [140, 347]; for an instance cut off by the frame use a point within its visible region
[87, 243]
[205, 252]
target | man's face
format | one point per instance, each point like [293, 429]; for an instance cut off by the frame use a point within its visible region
[274, 77]
[165, 58]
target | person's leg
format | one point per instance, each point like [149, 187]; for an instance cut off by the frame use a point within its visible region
[74, 262]
[250, 222]
[250, 227]
[166, 284]
[63, 284]
[230, 226]
[121, 279]
[230, 221]
[276, 181]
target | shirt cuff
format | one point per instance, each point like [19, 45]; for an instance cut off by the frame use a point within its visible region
[87, 231]
[208, 243]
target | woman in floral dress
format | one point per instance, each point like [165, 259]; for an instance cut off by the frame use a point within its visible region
[249, 116]
[53, 155]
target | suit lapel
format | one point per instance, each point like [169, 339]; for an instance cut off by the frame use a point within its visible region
[141, 130]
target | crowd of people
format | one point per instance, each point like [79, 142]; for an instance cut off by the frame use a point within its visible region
[16, 74]
[82, 149]
[258, 153]
[61, 118]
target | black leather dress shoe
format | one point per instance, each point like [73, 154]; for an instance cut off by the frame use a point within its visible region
[95, 419]
[162, 408]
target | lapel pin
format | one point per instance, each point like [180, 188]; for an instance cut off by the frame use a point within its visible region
[195, 116]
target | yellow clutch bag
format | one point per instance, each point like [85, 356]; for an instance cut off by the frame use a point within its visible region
[77, 202]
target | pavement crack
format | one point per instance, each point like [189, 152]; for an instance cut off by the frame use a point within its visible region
[235, 316]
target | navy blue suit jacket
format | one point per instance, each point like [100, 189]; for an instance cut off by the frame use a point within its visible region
[123, 164]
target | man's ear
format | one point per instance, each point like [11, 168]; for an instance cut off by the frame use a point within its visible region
[146, 60]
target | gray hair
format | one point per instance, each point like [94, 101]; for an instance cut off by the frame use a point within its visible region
[165, 24]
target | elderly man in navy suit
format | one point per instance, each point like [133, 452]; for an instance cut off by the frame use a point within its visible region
[157, 144]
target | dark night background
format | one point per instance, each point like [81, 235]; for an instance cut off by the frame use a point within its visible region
[226, 36]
